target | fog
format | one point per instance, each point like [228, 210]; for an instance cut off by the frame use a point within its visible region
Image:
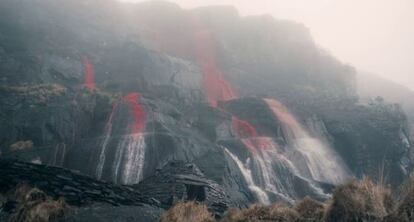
[375, 36]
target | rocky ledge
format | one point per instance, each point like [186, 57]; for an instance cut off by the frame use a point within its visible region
[76, 189]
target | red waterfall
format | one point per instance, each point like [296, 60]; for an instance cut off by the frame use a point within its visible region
[284, 115]
[138, 125]
[198, 44]
[243, 128]
[89, 73]
[201, 46]
[215, 85]
[245, 131]
[218, 88]
[249, 136]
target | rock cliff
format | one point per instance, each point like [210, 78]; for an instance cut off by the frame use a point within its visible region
[119, 91]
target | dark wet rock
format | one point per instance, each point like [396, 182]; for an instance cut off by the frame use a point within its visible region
[43, 101]
[76, 189]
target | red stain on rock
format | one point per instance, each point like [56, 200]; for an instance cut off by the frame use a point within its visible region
[139, 116]
[249, 136]
[284, 115]
[243, 128]
[89, 73]
[216, 87]
[197, 43]
[248, 143]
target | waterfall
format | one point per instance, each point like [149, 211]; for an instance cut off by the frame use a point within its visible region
[265, 160]
[59, 155]
[311, 155]
[272, 171]
[260, 194]
[128, 163]
[107, 137]
[259, 171]
[130, 152]
[215, 85]
[268, 171]
[129, 159]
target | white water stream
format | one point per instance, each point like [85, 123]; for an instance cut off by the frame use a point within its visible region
[129, 159]
[312, 156]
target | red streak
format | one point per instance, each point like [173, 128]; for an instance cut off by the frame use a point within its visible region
[257, 143]
[250, 145]
[248, 135]
[243, 128]
[283, 114]
[201, 46]
[89, 74]
[137, 111]
[215, 85]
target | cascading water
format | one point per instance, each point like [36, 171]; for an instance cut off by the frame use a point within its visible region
[262, 161]
[312, 156]
[215, 85]
[129, 159]
[265, 161]
[59, 155]
[128, 163]
[107, 138]
[89, 73]
[261, 170]
[258, 170]
[130, 153]
[269, 172]
[260, 194]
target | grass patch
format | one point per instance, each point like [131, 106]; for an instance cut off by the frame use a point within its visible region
[21, 145]
[34, 205]
[188, 212]
[277, 212]
[359, 201]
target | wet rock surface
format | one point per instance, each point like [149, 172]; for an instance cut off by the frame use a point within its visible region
[49, 115]
[76, 189]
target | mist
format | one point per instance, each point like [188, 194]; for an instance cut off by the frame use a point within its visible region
[374, 36]
[125, 110]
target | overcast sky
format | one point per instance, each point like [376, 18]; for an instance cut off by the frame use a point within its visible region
[373, 35]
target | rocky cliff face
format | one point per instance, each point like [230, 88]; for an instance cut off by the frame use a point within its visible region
[118, 90]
